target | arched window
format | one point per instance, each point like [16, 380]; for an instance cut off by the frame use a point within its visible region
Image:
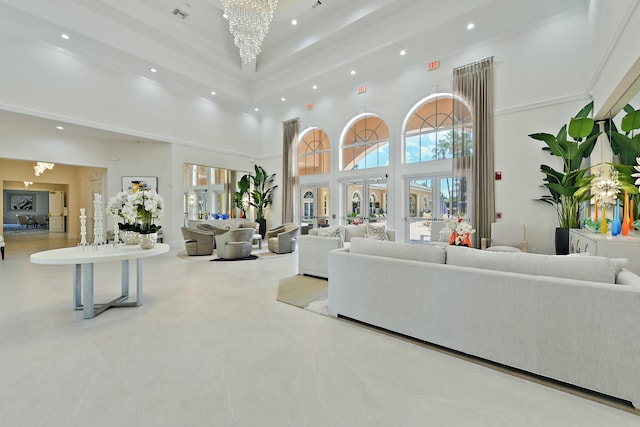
[365, 143]
[314, 153]
[428, 133]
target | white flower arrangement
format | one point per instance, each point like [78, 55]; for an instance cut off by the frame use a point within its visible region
[461, 228]
[138, 209]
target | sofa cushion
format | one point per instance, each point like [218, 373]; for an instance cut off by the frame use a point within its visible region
[376, 232]
[593, 269]
[399, 250]
[335, 231]
[351, 231]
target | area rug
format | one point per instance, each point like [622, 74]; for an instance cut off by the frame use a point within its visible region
[305, 292]
[248, 258]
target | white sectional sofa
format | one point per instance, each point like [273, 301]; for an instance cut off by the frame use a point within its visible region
[572, 319]
[314, 247]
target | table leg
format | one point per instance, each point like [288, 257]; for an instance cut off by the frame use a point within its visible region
[77, 287]
[125, 278]
[139, 281]
[87, 285]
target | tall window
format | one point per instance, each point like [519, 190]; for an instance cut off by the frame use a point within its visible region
[366, 143]
[429, 133]
[314, 153]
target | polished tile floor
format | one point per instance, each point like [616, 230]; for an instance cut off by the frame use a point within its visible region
[212, 347]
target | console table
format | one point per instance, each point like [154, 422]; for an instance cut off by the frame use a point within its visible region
[83, 261]
[581, 241]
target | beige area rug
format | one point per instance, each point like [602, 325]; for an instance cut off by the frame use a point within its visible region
[305, 292]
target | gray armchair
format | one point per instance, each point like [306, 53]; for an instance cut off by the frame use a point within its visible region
[283, 239]
[210, 228]
[198, 242]
[235, 243]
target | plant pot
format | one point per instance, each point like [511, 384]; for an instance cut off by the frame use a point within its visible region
[129, 237]
[148, 240]
[262, 227]
[562, 241]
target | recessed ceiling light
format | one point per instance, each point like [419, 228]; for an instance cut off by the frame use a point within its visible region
[60, 127]
[65, 36]
[153, 70]
[294, 22]
[314, 87]
[283, 99]
[225, 16]
[213, 92]
[256, 109]
[403, 52]
[470, 26]
[353, 72]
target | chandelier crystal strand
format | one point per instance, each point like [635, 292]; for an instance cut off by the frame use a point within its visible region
[249, 22]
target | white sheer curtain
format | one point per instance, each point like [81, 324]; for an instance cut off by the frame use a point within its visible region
[473, 167]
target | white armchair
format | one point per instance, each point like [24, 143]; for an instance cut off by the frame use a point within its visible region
[283, 239]
[234, 243]
[2, 246]
[506, 237]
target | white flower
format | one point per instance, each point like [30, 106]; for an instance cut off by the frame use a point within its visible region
[139, 207]
[637, 174]
[459, 226]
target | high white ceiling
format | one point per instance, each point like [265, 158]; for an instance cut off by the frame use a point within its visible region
[196, 55]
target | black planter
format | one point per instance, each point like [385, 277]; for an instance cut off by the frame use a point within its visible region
[262, 227]
[562, 241]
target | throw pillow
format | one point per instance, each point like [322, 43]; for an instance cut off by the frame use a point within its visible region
[376, 232]
[330, 231]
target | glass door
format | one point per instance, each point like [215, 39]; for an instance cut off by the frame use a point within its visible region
[314, 206]
[366, 201]
[429, 204]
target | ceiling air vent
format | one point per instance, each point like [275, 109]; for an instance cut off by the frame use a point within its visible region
[180, 13]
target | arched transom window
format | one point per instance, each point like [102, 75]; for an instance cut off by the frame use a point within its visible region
[429, 130]
[314, 153]
[366, 143]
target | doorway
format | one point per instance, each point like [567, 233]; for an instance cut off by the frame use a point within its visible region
[429, 202]
[366, 201]
[315, 206]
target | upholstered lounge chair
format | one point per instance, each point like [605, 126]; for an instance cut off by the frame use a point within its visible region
[2, 246]
[506, 237]
[210, 228]
[197, 242]
[283, 239]
[235, 243]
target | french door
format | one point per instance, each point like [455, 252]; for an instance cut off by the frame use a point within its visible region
[429, 202]
[366, 201]
[315, 205]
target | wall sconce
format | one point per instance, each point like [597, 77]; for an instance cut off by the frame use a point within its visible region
[27, 183]
[41, 167]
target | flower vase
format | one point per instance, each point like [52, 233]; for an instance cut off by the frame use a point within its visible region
[148, 240]
[129, 237]
[616, 224]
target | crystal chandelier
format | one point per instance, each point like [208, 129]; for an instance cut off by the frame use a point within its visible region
[249, 22]
[41, 167]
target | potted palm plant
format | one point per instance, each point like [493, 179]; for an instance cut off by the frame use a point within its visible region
[261, 194]
[568, 187]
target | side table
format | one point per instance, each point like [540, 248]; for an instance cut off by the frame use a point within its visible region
[581, 241]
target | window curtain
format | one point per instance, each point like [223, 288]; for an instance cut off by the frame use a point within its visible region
[473, 148]
[289, 138]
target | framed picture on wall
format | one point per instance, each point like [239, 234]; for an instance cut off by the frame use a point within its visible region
[22, 202]
[133, 183]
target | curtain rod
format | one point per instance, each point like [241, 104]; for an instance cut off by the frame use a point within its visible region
[473, 63]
